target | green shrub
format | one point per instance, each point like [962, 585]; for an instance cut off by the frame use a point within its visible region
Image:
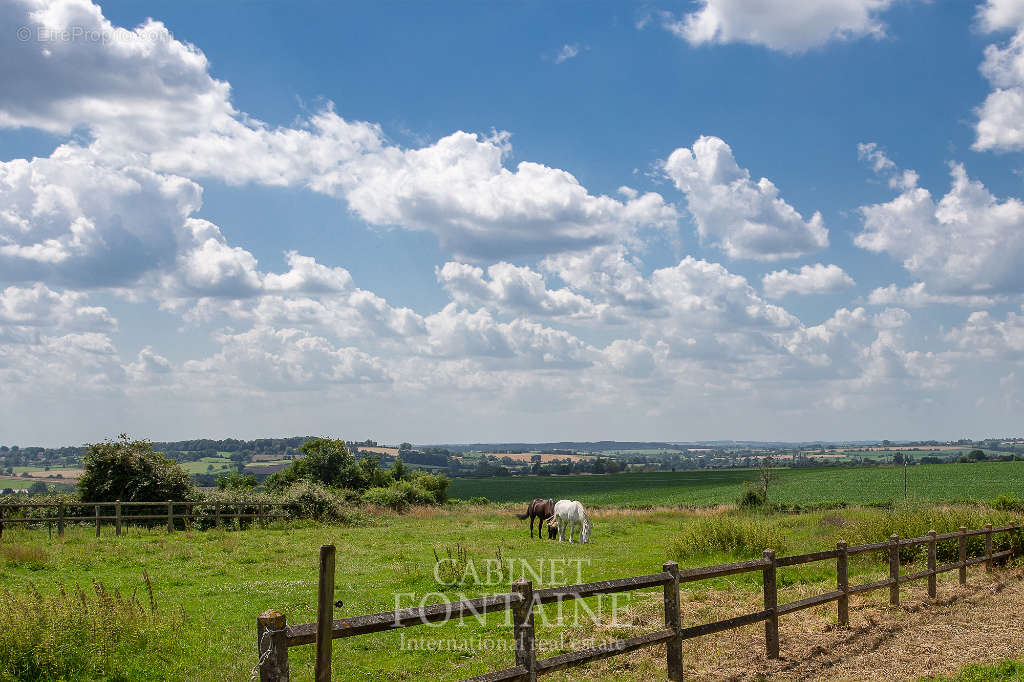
[387, 497]
[309, 500]
[1008, 503]
[435, 484]
[130, 471]
[235, 481]
[751, 497]
[400, 495]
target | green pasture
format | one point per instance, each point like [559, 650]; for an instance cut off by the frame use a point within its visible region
[812, 486]
[208, 587]
[202, 466]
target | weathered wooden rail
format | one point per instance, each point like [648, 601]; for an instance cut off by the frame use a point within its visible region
[170, 511]
[275, 636]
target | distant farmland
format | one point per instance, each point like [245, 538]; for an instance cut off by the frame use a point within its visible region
[852, 485]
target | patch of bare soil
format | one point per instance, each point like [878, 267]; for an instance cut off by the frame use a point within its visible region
[981, 623]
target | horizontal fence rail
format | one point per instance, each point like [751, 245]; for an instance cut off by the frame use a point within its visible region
[275, 636]
[125, 513]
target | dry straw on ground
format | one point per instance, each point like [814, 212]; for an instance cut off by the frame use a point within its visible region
[981, 623]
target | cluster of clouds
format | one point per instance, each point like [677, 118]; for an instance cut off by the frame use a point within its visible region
[113, 211]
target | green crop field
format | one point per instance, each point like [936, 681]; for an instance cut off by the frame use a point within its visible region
[208, 587]
[851, 485]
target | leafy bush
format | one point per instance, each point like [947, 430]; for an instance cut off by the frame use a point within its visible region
[1008, 503]
[386, 497]
[130, 471]
[400, 495]
[751, 497]
[326, 461]
[236, 481]
[309, 500]
[435, 484]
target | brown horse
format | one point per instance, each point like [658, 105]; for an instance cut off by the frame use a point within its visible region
[541, 510]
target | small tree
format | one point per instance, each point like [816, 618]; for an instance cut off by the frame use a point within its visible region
[398, 470]
[766, 476]
[236, 481]
[129, 470]
[327, 461]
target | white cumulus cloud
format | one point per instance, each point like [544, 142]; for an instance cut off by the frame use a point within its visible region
[784, 25]
[968, 243]
[746, 219]
[810, 279]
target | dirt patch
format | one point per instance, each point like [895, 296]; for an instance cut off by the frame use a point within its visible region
[981, 623]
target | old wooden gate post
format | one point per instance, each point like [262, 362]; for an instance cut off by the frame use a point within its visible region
[272, 647]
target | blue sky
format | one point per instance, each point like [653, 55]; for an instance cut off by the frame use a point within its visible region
[494, 221]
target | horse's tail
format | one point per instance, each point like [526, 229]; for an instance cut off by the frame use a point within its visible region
[524, 514]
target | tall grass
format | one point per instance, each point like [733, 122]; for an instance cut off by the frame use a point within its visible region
[738, 534]
[84, 634]
[865, 526]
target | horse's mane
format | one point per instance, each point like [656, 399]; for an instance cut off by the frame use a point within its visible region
[583, 513]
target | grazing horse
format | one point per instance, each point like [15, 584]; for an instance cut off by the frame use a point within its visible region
[570, 513]
[539, 509]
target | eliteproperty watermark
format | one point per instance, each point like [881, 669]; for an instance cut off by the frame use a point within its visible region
[105, 35]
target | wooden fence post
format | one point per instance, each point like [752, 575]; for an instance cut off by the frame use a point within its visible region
[325, 615]
[988, 547]
[117, 517]
[674, 646]
[524, 636]
[931, 563]
[259, 514]
[216, 511]
[60, 520]
[843, 582]
[170, 516]
[771, 603]
[963, 555]
[272, 647]
[894, 570]
[1013, 528]
[97, 510]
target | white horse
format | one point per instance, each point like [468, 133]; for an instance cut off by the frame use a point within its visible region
[570, 513]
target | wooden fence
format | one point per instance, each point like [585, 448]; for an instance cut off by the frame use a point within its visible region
[275, 636]
[63, 513]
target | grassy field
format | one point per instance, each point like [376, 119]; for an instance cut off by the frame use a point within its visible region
[202, 466]
[208, 587]
[851, 485]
